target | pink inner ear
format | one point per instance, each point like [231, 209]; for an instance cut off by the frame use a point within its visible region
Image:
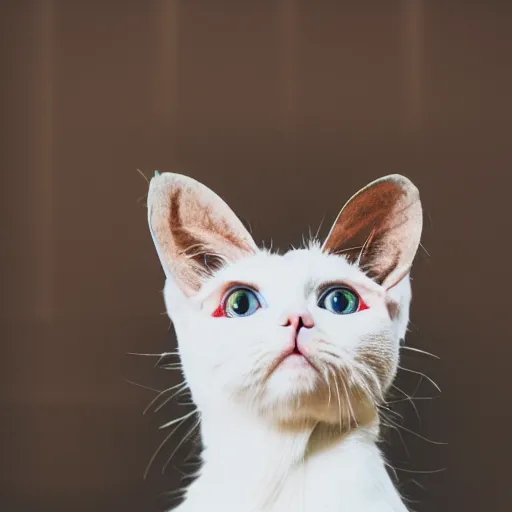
[380, 228]
[194, 229]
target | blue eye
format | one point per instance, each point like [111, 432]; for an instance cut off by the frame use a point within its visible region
[340, 301]
[241, 302]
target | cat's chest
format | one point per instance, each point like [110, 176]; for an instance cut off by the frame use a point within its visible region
[298, 502]
[306, 489]
[333, 492]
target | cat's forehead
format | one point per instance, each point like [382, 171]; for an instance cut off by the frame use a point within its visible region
[296, 268]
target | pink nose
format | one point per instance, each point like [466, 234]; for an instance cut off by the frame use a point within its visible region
[304, 319]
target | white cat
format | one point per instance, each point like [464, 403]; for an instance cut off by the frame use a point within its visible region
[288, 356]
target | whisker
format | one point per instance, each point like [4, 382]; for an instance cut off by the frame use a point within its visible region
[387, 422]
[345, 390]
[319, 228]
[173, 422]
[424, 472]
[179, 421]
[168, 390]
[365, 246]
[392, 468]
[349, 402]
[416, 434]
[413, 349]
[338, 395]
[373, 378]
[169, 398]
[161, 354]
[348, 249]
[189, 433]
[425, 250]
[385, 409]
[407, 397]
[180, 490]
[414, 481]
[143, 175]
[412, 399]
[165, 354]
[142, 386]
[329, 353]
[418, 385]
[171, 366]
[326, 378]
[422, 375]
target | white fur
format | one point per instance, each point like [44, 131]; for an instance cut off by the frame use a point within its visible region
[275, 445]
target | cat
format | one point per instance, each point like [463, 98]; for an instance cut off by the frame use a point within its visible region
[288, 357]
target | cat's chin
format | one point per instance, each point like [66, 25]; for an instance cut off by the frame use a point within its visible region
[297, 391]
[312, 409]
[292, 377]
[294, 390]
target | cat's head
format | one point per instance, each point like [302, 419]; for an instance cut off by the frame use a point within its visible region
[311, 334]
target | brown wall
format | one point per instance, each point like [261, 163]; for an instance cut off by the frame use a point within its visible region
[284, 108]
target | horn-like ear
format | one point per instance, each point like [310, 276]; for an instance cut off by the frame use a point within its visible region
[193, 229]
[380, 229]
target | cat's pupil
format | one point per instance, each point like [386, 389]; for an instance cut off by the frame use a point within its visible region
[241, 303]
[340, 302]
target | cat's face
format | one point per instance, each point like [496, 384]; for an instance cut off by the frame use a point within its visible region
[304, 335]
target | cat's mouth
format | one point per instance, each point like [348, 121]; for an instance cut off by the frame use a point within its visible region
[292, 358]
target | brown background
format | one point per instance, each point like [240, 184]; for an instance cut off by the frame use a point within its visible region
[285, 108]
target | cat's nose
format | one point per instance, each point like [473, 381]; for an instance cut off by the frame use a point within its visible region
[297, 321]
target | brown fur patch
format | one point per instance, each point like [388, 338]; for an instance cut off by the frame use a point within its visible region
[393, 308]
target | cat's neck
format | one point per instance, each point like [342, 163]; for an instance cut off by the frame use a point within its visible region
[251, 465]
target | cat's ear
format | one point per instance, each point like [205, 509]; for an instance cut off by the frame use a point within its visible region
[194, 230]
[380, 229]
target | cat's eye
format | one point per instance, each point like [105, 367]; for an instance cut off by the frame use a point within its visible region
[340, 301]
[241, 302]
